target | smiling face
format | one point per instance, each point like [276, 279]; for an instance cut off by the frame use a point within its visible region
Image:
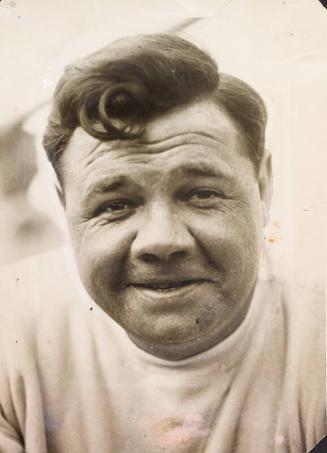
[167, 229]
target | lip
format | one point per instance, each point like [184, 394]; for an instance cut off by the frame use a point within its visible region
[166, 285]
[167, 289]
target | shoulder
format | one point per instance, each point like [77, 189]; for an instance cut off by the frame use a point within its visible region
[39, 296]
[48, 334]
[304, 315]
[302, 413]
[306, 356]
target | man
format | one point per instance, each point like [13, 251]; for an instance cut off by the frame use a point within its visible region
[184, 340]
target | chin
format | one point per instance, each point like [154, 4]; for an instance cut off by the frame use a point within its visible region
[166, 335]
[170, 339]
[170, 349]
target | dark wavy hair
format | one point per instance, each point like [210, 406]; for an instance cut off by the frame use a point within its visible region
[112, 93]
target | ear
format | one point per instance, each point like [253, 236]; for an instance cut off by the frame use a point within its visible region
[265, 182]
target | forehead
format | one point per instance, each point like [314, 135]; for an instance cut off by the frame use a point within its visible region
[200, 129]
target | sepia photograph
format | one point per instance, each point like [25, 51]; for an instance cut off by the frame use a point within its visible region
[163, 226]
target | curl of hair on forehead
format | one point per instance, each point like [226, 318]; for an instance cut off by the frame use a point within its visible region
[115, 91]
[115, 115]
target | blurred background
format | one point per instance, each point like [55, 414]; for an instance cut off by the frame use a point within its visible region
[278, 47]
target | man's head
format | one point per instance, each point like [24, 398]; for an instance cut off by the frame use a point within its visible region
[162, 165]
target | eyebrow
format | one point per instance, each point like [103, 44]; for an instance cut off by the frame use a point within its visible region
[105, 185]
[202, 169]
[191, 170]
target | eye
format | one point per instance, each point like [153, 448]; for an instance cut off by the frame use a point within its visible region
[204, 197]
[116, 209]
[204, 194]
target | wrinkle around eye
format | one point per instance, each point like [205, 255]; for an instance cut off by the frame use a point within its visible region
[115, 210]
[204, 195]
[216, 201]
[207, 194]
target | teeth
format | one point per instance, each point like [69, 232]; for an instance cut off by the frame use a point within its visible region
[167, 285]
[164, 286]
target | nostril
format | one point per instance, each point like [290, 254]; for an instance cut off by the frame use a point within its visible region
[149, 258]
[178, 254]
[154, 258]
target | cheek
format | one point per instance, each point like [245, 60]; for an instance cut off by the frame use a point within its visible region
[101, 252]
[231, 239]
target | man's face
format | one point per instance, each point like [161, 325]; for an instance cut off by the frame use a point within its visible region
[167, 229]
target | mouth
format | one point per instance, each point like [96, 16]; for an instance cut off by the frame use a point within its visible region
[167, 286]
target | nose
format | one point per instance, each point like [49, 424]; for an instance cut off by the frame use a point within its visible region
[162, 237]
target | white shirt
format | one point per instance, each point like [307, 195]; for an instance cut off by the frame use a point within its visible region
[72, 381]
